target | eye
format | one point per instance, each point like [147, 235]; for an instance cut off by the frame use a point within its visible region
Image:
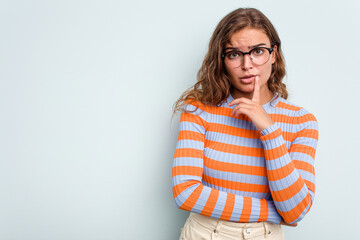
[232, 55]
[257, 51]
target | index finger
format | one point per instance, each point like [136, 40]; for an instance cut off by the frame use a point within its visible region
[256, 94]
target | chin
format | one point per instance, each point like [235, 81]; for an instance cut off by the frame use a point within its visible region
[249, 88]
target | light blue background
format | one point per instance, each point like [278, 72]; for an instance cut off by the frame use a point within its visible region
[86, 91]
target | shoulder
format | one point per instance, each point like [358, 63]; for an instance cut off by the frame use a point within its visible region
[196, 111]
[284, 104]
[197, 107]
[301, 117]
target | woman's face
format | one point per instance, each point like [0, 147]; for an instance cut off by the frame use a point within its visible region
[245, 40]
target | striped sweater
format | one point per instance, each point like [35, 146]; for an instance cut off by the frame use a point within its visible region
[225, 168]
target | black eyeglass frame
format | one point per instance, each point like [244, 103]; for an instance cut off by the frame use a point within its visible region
[244, 53]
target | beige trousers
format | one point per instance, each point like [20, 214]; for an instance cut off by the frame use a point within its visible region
[199, 227]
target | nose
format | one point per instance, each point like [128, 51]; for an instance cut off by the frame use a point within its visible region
[246, 62]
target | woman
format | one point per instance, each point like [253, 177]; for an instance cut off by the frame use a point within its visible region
[244, 160]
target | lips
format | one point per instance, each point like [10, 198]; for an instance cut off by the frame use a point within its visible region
[247, 79]
[247, 76]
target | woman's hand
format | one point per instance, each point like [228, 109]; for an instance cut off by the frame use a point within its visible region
[252, 108]
[287, 224]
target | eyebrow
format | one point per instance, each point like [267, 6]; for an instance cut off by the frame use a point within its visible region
[250, 47]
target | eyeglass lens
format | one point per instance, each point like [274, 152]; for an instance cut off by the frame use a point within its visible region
[258, 56]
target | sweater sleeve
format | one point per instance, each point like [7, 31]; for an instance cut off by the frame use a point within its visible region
[191, 194]
[291, 173]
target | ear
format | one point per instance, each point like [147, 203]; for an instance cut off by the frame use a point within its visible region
[273, 59]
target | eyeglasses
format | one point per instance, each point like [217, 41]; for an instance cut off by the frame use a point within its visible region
[259, 56]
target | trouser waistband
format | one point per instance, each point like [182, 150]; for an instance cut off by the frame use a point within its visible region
[213, 223]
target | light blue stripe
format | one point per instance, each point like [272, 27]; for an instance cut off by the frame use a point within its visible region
[238, 206]
[235, 177]
[273, 143]
[302, 157]
[201, 201]
[312, 125]
[307, 175]
[191, 126]
[220, 204]
[190, 144]
[240, 193]
[199, 112]
[291, 203]
[284, 182]
[234, 158]
[233, 122]
[183, 178]
[234, 140]
[305, 141]
[312, 195]
[255, 210]
[278, 162]
[184, 195]
[188, 161]
[243, 124]
[274, 215]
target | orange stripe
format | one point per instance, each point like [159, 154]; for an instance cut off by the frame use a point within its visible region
[264, 211]
[277, 174]
[189, 152]
[190, 117]
[306, 118]
[191, 200]
[289, 192]
[229, 207]
[198, 104]
[309, 133]
[310, 185]
[237, 186]
[234, 131]
[281, 104]
[294, 213]
[224, 111]
[271, 154]
[187, 170]
[179, 188]
[190, 135]
[210, 203]
[235, 167]
[246, 211]
[303, 149]
[235, 149]
[271, 135]
[311, 202]
[245, 133]
[304, 166]
[282, 118]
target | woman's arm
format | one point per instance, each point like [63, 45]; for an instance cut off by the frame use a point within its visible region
[291, 173]
[191, 195]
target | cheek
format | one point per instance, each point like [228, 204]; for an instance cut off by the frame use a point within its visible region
[230, 72]
[267, 69]
[265, 73]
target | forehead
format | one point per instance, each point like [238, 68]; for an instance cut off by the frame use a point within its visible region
[247, 37]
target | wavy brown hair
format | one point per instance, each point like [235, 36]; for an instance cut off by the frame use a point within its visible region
[213, 85]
